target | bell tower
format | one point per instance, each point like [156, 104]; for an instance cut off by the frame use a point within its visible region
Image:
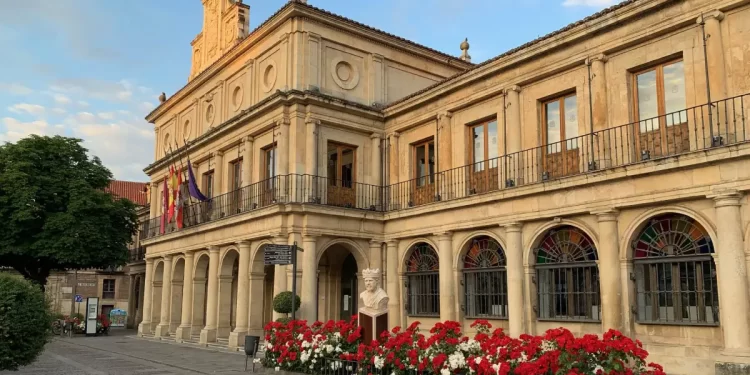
[225, 23]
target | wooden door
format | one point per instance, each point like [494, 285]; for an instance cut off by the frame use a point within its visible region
[423, 184]
[342, 161]
[661, 122]
[483, 153]
[267, 188]
[561, 155]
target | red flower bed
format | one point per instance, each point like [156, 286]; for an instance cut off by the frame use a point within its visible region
[295, 346]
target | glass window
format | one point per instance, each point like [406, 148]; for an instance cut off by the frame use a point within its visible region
[561, 120]
[423, 281]
[660, 96]
[237, 174]
[108, 289]
[341, 165]
[208, 184]
[269, 162]
[484, 145]
[485, 279]
[424, 163]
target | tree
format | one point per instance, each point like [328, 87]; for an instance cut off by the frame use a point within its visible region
[25, 322]
[54, 211]
[282, 303]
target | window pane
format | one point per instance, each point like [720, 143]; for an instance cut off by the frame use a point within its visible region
[333, 164]
[270, 156]
[648, 107]
[347, 167]
[431, 160]
[552, 115]
[571, 122]
[420, 165]
[674, 93]
[478, 138]
[492, 152]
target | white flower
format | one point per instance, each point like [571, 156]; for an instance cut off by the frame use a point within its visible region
[379, 362]
[277, 368]
[269, 345]
[445, 371]
[478, 360]
[496, 367]
[457, 360]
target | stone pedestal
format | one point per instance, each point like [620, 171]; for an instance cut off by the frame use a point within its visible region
[373, 323]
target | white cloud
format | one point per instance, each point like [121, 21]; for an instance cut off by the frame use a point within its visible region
[83, 103]
[61, 99]
[15, 89]
[59, 111]
[147, 106]
[15, 129]
[106, 115]
[32, 109]
[82, 116]
[589, 3]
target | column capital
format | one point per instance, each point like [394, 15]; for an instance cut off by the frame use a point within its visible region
[189, 255]
[395, 135]
[392, 242]
[285, 120]
[243, 244]
[168, 258]
[514, 88]
[444, 115]
[149, 261]
[376, 242]
[712, 15]
[600, 57]
[375, 136]
[311, 120]
[444, 236]
[247, 139]
[249, 62]
[156, 129]
[310, 235]
[607, 214]
[213, 249]
[512, 227]
[727, 198]
[218, 153]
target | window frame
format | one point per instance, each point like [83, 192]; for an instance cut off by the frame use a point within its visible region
[565, 143]
[660, 97]
[478, 165]
[489, 272]
[431, 278]
[338, 180]
[105, 289]
[235, 174]
[430, 177]
[208, 180]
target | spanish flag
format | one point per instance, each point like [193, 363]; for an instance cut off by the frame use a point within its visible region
[172, 191]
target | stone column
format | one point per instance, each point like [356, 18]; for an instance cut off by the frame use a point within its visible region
[131, 303]
[208, 333]
[377, 172]
[237, 336]
[732, 274]
[609, 270]
[257, 290]
[279, 275]
[309, 294]
[162, 330]
[392, 284]
[183, 331]
[598, 91]
[715, 51]
[282, 149]
[447, 284]
[159, 143]
[311, 183]
[218, 173]
[395, 163]
[141, 300]
[446, 182]
[376, 256]
[514, 256]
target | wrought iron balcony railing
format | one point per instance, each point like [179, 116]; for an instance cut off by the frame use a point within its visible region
[703, 127]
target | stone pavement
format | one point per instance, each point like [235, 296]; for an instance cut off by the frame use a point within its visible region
[123, 353]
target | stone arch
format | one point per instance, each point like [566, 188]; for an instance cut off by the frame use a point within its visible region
[228, 283]
[464, 246]
[407, 253]
[257, 262]
[640, 221]
[156, 294]
[362, 260]
[200, 289]
[539, 234]
[196, 257]
[261, 287]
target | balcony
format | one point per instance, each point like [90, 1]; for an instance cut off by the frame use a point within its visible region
[699, 128]
[137, 254]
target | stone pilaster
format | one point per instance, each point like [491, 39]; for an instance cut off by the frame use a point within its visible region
[237, 336]
[309, 295]
[279, 274]
[183, 331]
[208, 333]
[392, 284]
[715, 51]
[162, 330]
[514, 258]
[609, 270]
[447, 284]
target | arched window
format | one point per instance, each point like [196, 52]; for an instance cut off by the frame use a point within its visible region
[423, 281]
[567, 276]
[485, 279]
[675, 274]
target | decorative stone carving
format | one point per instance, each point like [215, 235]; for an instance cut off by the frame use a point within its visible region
[237, 96]
[210, 114]
[186, 129]
[268, 80]
[344, 74]
[211, 20]
[162, 98]
[373, 299]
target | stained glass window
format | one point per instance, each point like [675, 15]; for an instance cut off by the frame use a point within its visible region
[423, 281]
[675, 274]
[485, 279]
[567, 276]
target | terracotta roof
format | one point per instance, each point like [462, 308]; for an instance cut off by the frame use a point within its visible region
[130, 190]
[517, 49]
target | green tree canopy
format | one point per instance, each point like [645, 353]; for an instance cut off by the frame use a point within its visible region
[54, 211]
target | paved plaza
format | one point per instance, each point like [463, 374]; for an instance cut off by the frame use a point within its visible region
[123, 353]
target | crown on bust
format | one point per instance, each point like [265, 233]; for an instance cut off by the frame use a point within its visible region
[371, 273]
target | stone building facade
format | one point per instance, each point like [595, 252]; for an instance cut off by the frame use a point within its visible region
[594, 178]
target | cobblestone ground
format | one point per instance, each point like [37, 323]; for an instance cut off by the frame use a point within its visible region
[123, 353]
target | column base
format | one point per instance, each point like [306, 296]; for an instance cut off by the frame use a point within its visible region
[208, 335]
[237, 339]
[162, 330]
[183, 333]
[144, 329]
[733, 362]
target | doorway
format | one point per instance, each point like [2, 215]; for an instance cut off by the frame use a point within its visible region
[349, 295]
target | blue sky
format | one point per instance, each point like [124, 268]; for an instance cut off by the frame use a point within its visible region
[93, 69]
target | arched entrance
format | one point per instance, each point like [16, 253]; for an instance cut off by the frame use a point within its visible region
[200, 291]
[261, 293]
[339, 282]
[228, 276]
[158, 284]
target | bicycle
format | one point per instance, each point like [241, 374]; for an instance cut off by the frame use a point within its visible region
[61, 327]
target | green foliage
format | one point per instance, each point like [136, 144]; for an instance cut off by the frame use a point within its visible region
[282, 303]
[55, 212]
[25, 322]
[283, 320]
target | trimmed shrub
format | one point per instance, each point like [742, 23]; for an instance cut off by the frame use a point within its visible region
[25, 322]
[282, 303]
